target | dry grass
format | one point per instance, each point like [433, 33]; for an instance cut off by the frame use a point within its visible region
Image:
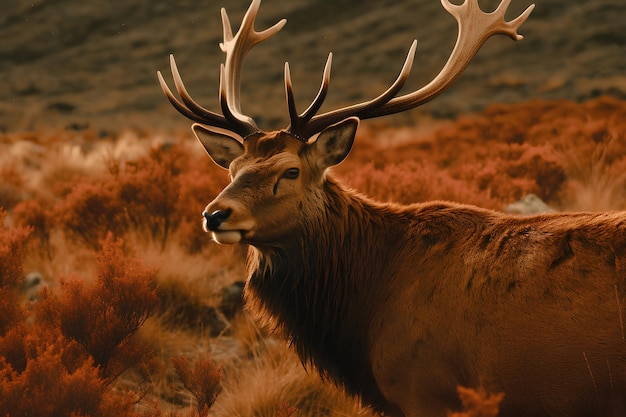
[272, 377]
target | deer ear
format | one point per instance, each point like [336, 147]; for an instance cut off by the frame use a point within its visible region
[219, 144]
[334, 143]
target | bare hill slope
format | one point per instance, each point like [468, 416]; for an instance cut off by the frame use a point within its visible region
[79, 64]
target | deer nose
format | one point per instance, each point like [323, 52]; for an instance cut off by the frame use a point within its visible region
[215, 219]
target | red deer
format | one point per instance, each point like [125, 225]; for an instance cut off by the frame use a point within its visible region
[401, 304]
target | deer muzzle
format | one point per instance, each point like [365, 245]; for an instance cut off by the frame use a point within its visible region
[217, 222]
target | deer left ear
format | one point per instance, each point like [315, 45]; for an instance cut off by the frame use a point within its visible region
[334, 143]
[222, 146]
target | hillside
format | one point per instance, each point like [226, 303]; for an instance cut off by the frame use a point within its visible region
[78, 64]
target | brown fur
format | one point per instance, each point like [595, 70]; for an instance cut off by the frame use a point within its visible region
[401, 304]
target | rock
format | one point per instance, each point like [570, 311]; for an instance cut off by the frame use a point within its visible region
[529, 204]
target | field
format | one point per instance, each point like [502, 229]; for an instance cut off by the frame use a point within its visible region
[128, 304]
[113, 300]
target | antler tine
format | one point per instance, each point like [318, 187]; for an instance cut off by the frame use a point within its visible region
[291, 102]
[321, 94]
[299, 121]
[317, 123]
[475, 27]
[247, 128]
[208, 116]
[514, 24]
[202, 116]
[236, 47]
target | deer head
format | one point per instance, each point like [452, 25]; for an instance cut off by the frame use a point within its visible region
[279, 177]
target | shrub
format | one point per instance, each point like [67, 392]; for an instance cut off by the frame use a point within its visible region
[12, 243]
[64, 363]
[103, 318]
[33, 214]
[11, 186]
[47, 388]
[412, 181]
[203, 381]
[500, 155]
[152, 197]
[478, 403]
[89, 210]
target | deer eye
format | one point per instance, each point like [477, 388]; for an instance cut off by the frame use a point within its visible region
[291, 173]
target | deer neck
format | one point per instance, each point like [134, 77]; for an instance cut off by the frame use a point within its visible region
[321, 286]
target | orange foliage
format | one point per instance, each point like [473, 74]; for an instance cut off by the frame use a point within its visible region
[552, 149]
[152, 196]
[478, 403]
[11, 272]
[413, 181]
[103, 318]
[64, 362]
[10, 187]
[202, 381]
[50, 385]
[498, 156]
[32, 213]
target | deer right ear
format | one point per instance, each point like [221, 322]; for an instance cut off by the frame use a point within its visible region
[219, 144]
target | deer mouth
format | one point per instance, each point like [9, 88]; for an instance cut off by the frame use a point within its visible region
[227, 237]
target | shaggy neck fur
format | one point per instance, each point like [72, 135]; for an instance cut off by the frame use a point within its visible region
[319, 288]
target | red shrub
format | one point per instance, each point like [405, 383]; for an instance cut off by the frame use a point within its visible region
[411, 182]
[12, 243]
[90, 210]
[11, 186]
[14, 351]
[152, 197]
[65, 362]
[496, 157]
[478, 403]
[197, 188]
[103, 318]
[43, 373]
[47, 386]
[34, 214]
[148, 190]
[203, 381]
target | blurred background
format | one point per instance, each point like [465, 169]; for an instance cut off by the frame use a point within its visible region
[92, 64]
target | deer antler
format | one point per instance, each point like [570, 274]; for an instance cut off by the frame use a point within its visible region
[298, 122]
[475, 27]
[235, 47]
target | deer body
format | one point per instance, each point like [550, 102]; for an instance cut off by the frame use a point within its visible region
[529, 307]
[402, 304]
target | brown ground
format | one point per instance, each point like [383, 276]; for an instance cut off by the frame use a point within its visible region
[92, 64]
